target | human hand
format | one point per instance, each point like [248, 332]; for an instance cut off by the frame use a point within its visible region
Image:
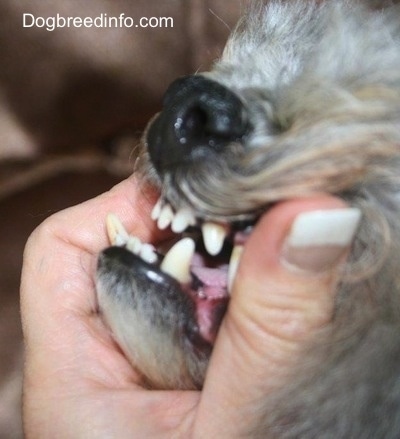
[78, 384]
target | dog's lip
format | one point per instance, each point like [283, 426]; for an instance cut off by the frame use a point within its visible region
[205, 286]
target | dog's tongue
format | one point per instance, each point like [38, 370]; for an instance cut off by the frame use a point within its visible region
[214, 280]
[211, 297]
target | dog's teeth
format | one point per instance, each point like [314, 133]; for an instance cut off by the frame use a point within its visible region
[214, 235]
[233, 265]
[165, 218]
[148, 254]
[134, 244]
[182, 220]
[116, 232]
[177, 261]
[155, 213]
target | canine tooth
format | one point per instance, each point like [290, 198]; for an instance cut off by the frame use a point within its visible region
[116, 232]
[182, 219]
[166, 217]
[233, 265]
[148, 254]
[177, 261]
[214, 235]
[134, 244]
[155, 213]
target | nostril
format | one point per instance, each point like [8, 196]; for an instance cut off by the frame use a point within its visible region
[203, 124]
[192, 126]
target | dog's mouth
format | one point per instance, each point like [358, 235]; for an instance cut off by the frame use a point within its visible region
[200, 260]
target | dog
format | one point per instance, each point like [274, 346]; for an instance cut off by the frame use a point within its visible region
[305, 99]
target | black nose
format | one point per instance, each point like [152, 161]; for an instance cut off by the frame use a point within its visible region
[199, 116]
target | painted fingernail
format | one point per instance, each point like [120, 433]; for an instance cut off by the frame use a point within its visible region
[318, 240]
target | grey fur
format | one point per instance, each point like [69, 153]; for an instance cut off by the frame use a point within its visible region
[321, 84]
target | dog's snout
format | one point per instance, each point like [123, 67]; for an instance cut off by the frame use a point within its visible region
[199, 116]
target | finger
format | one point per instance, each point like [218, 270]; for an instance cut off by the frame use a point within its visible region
[282, 297]
[60, 256]
[73, 369]
[61, 326]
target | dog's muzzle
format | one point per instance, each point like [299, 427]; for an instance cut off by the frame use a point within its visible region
[199, 116]
[175, 293]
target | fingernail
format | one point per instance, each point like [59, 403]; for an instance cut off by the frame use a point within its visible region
[318, 240]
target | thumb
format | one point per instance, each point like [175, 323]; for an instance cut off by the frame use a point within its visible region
[282, 296]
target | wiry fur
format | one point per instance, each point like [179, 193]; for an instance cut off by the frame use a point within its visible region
[321, 85]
